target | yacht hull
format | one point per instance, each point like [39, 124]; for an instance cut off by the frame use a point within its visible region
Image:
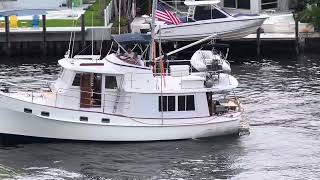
[226, 29]
[17, 122]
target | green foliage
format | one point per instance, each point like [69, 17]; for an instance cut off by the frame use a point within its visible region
[308, 11]
[94, 15]
[311, 15]
[123, 22]
[95, 12]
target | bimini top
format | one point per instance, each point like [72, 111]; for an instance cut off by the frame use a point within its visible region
[132, 38]
[201, 3]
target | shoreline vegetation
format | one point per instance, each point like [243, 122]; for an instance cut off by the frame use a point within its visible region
[95, 12]
[307, 11]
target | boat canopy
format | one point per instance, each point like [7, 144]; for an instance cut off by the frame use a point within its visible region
[201, 3]
[132, 38]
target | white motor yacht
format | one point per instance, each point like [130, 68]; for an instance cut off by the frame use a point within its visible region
[203, 19]
[119, 98]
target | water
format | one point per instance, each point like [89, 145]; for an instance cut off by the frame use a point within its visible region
[282, 101]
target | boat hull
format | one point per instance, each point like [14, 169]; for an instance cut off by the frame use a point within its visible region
[226, 29]
[20, 123]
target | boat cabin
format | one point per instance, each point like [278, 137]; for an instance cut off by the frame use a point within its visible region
[204, 10]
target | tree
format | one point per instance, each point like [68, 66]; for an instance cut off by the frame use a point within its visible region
[308, 11]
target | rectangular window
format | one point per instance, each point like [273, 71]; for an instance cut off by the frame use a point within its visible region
[76, 80]
[83, 119]
[111, 82]
[186, 103]
[230, 3]
[190, 103]
[181, 103]
[27, 110]
[269, 4]
[241, 4]
[167, 103]
[44, 113]
[171, 103]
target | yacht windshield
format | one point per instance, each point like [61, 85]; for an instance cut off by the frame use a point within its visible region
[208, 12]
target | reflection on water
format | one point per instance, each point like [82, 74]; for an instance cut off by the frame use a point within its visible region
[282, 100]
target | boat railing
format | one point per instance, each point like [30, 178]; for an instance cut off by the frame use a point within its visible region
[113, 97]
[213, 75]
[52, 98]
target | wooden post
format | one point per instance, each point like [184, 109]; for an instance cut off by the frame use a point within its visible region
[44, 30]
[83, 32]
[297, 34]
[7, 29]
[258, 42]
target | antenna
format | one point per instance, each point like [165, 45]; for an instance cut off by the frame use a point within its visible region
[92, 34]
[154, 6]
[119, 16]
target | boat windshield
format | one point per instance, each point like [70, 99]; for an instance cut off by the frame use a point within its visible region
[208, 12]
[223, 10]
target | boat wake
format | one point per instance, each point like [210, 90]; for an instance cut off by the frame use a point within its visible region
[46, 173]
[6, 172]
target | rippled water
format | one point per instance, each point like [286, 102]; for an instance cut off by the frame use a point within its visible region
[282, 101]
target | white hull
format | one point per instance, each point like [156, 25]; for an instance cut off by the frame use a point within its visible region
[14, 121]
[30, 125]
[226, 29]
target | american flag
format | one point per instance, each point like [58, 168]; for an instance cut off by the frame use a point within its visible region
[163, 14]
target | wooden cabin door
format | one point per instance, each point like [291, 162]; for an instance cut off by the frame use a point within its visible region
[86, 90]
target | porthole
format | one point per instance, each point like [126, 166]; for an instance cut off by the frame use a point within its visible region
[27, 110]
[44, 113]
[105, 120]
[83, 119]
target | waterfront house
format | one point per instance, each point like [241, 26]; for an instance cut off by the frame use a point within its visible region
[248, 6]
[257, 6]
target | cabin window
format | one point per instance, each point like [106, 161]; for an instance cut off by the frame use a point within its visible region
[44, 113]
[186, 103]
[105, 120]
[167, 103]
[27, 110]
[83, 119]
[76, 80]
[111, 82]
[241, 4]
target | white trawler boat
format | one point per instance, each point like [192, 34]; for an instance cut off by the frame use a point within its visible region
[203, 19]
[118, 98]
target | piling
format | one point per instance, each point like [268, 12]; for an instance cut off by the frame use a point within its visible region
[258, 42]
[297, 35]
[7, 30]
[83, 32]
[44, 30]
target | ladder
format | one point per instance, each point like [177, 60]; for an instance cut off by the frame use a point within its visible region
[191, 11]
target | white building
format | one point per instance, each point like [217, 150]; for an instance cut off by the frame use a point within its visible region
[32, 4]
[256, 6]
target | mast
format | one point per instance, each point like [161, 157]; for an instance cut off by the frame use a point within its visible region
[152, 46]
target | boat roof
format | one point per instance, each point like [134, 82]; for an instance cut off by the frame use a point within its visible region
[87, 65]
[132, 38]
[201, 3]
